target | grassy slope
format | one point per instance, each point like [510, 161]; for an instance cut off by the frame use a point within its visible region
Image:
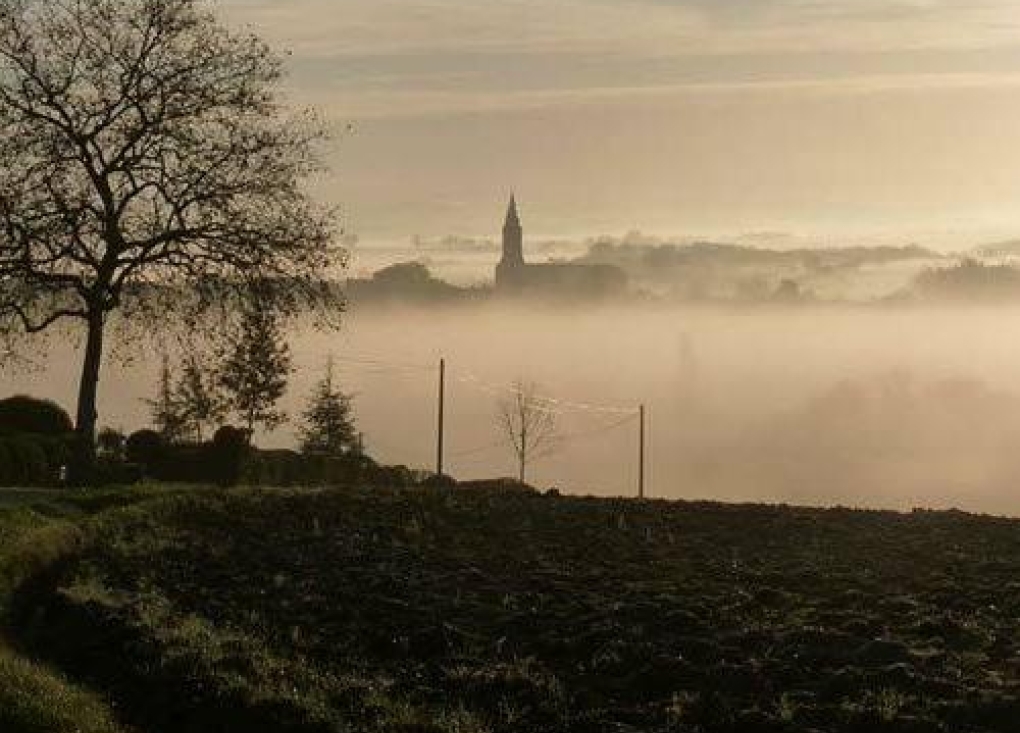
[38, 529]
[443, 612]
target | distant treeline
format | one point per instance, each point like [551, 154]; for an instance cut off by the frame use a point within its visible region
[409, 282]
[715, 271]
[969, 280]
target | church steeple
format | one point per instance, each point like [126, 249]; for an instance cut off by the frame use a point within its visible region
[512, 218]
[513, 236]
[511, 266]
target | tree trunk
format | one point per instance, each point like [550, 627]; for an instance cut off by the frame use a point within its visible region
[523, 466]
[84, 461]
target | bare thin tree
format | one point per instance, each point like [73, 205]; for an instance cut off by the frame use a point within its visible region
[529, 424]
[149, 170]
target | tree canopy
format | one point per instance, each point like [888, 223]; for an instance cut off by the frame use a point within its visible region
[150, 167]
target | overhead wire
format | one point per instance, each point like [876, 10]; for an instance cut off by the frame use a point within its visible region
[554, 404]
[545, 404]
[563, 405]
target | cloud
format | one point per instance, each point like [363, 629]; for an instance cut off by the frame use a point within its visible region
[424, 54]
[875, 114]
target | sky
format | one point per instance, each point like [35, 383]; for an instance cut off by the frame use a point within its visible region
[841, 121]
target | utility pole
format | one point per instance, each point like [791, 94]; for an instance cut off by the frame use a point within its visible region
[441, 435]
[641, 453]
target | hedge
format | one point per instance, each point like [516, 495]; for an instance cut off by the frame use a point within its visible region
[32, 460]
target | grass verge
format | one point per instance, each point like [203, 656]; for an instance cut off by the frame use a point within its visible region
[38, 531]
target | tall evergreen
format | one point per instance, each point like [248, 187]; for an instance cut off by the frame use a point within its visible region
[254, 372]
[199, 398]
[165, 409]
[329, 422]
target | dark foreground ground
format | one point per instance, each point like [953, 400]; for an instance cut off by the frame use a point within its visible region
[467, 612]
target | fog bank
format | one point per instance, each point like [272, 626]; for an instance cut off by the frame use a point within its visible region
[868, 406]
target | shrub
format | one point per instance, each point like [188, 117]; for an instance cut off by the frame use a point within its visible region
[435, 481]
[27, 463]
[184, 463]
[396, 477]
[113, 472]
[58, 450]
[111, 444]
[145, 448]
[23, 414]
[6, 467]
[226, 454]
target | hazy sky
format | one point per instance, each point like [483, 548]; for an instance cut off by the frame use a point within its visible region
[893, 118]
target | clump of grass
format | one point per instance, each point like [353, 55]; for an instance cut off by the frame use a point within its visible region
[35, 700]
[36, 533]
[32, 552]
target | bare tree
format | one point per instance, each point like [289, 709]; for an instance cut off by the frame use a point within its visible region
[529, 424]
[149, 169]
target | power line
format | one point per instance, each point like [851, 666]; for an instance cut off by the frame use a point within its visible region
[561, 440]
[538, 403]
[576, 437]
[564, 406]
[384, 365]
[479, 450]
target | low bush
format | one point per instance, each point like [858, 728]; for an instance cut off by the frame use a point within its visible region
[23, 414]
[228, 460]
[227, 454]
[113, 472]
[31, 460]
[145, 448]
[6, 465]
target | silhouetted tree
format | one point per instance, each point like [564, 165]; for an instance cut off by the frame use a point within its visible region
[165, 410]
[255, 370]
[329, 424]
[529, 424]
[199, 398]
[148, 170]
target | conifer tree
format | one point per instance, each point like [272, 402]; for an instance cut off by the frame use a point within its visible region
[165, 409]
[329, 423]
[199, 399]
[255, 371]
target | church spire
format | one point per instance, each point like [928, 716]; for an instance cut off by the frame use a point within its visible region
[512, 218]
[513, 242]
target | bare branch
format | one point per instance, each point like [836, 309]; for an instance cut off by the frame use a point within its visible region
[528, 424]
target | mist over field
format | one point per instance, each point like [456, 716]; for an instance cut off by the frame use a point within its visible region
[864, 406]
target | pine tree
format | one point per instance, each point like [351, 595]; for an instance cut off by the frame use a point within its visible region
[165, 410]
[255, 370]
[329, 424]
[199, 398]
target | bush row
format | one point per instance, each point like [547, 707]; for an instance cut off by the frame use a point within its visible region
[32, 460]
[227, 460]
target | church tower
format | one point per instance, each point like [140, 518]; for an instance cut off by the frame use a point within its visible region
[511, 266]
